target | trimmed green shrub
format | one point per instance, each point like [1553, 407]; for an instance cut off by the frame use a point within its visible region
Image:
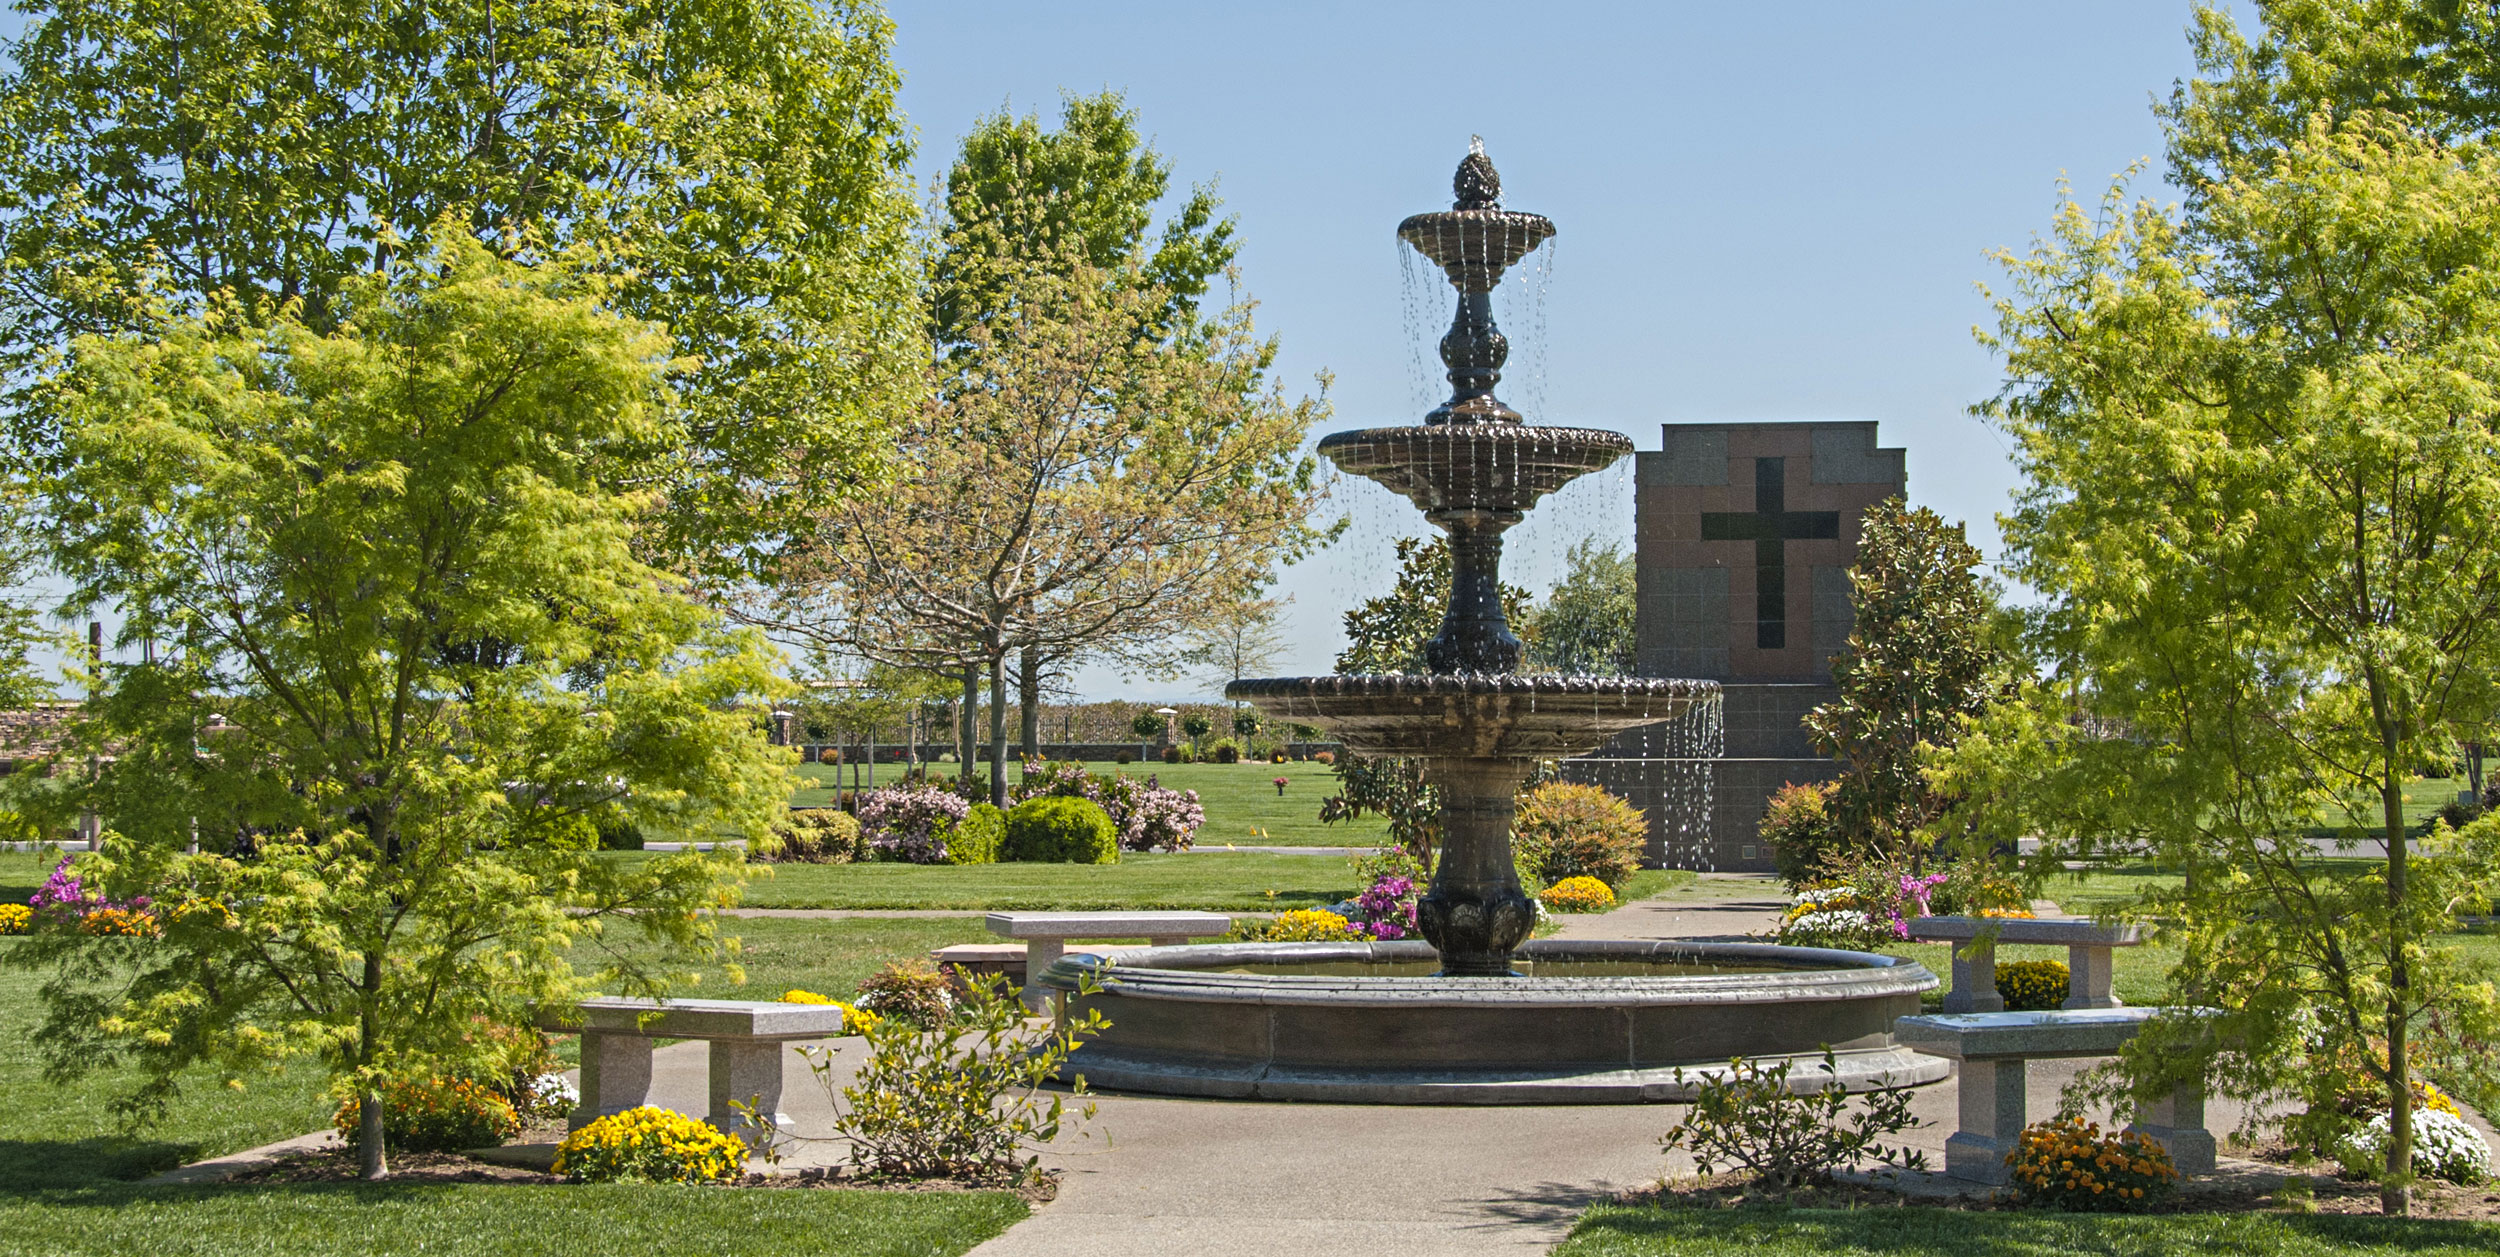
[1576, 830]
[816, 835]
[978, 836]
[1224, 751]
[1804, 842]
[1054, 830]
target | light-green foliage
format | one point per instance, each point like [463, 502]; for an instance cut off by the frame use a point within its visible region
[2262, 458]
[1585, 624]
[739, 165]
[1057, 830]
[963, 1096]
[978, 836]
[397, 557]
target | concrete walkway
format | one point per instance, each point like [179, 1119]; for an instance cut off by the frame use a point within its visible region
[1722, 907]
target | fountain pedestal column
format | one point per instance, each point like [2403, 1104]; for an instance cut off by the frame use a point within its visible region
[1476, 913]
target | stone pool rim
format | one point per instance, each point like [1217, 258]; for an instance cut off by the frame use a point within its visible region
[1196, 1031]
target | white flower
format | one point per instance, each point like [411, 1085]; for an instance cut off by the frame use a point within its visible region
[2444, 1146]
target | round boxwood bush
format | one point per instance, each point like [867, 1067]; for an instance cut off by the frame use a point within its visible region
[977, 836]
[1054, 830]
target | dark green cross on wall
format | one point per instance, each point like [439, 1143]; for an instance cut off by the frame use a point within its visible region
[1770, 527]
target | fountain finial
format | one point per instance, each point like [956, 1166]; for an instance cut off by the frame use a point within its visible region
[1477, 184]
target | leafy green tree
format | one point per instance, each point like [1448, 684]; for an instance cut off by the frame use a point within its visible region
[1387, 635]
[1071, 483]
[2437, 62]
[1087, 191]
[2262, 458]
[397, 553]
[22, 681]
[1923, 656]
[1586, 623]
[738, 164]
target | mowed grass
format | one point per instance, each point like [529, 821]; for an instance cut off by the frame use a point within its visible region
[65, 1135]
[65, 1160]
[1242, 881]
[829, 957]
[1220, 882]
[1242, 803]
[1642, 1231]
[475, 1220]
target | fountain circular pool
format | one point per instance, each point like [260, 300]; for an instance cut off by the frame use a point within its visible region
[1589, 1023]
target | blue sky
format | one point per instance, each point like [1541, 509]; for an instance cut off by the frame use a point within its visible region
[1765, 211]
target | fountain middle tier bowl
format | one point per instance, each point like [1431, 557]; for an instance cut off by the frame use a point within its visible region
[1608, 1022]
[1474, 466]
[1474, 715]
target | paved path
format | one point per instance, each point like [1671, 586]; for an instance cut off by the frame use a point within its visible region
[1727, 907]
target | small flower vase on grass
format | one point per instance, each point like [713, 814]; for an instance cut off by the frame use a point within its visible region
[1281, 783]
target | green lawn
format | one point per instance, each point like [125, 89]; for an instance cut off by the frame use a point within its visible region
[1227, 882]
[1247, 881]
[65, 1161]
[496, 1221]
[1642, 1231]
[1243, 806]
[827, 957]
[63, 1135]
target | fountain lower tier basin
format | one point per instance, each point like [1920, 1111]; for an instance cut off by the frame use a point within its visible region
[1301, 1021]
[1474, 715]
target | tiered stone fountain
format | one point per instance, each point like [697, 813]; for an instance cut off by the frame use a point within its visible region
[1383, 1022]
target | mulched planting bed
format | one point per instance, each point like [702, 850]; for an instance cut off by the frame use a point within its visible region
[2329, 1194]
[338, 1165]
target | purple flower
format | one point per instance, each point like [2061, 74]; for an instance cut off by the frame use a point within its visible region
[1386, 908]
[911, 823]
[62, 896]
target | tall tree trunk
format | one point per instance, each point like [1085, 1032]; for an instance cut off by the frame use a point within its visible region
[969, 736]
[998, 729]
[371, 1163]
[1029, 692]
[2395, 1194]
[872, 756]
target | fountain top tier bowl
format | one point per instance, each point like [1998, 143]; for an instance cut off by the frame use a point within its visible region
[1475, 240]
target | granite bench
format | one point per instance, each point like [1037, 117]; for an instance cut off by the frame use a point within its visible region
[746, 1038]
[2088, 945]
[1046, 935]
[1995, 1051]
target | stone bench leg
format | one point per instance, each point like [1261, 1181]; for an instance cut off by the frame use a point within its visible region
[2088, 977]
[616, 1076]
[2177, 1123]
[745, 1071]
[1975, 979]
[1994, 1102]
[1039, 955]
